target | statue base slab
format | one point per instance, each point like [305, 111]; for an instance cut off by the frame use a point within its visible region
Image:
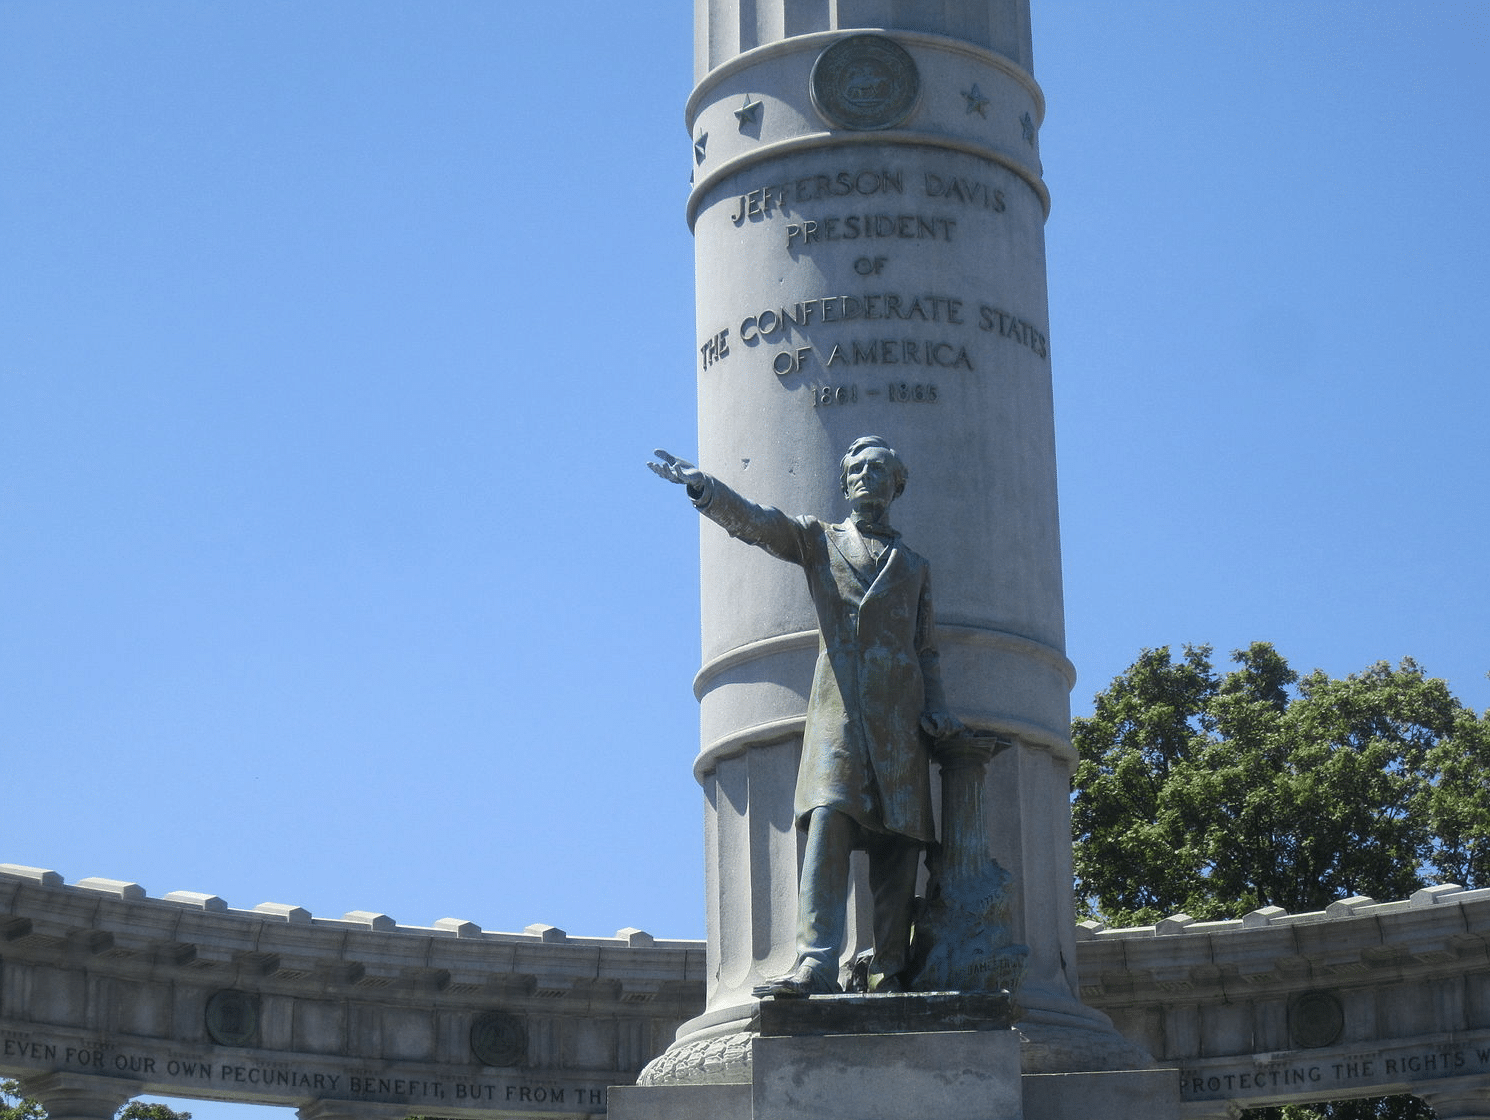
[970, 1074]
[884, 1056]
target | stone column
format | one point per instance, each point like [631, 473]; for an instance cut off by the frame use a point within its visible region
[1464, 1102]
[350, 1110]
[868, 213]
[79, 1096]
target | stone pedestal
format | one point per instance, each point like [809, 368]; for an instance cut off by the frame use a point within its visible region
[859, 1057]
[896, 1057]
[967, 1074]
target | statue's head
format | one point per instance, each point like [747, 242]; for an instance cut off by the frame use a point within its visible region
[878, 447]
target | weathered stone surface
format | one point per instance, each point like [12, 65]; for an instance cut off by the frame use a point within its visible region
[971, 1075]
[116, 887]
[284, 911]
[683, 1102]
[195, 899]
[36, 874]
[887, 1013]
[1137, 1093]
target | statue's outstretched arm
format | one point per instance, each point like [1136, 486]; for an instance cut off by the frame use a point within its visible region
[677, 470]
[741, 518]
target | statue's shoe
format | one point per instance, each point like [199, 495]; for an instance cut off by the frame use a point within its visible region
[804, 980]
[879, 982]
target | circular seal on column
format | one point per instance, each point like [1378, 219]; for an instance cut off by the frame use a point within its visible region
[1315, 1019]
[232, 1017]
[499, 1039]
[865, 82]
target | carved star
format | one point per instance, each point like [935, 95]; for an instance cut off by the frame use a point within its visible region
[1029, 129]
[976, 102]
[698, 147]
[749, 113]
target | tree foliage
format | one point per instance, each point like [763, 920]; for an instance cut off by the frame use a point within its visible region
[1215, 794]
[15, 1105]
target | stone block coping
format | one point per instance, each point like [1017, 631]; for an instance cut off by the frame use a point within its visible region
[373, 920]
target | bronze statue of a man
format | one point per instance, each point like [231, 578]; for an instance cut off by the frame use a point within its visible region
[864, 779]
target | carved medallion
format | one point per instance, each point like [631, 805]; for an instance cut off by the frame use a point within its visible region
[1315, 1019]
[865, 82]
[232, 1017]
[499, 1039]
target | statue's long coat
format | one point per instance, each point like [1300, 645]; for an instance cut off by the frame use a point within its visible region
[863, 752]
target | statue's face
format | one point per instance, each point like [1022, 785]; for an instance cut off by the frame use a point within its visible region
[870, 478]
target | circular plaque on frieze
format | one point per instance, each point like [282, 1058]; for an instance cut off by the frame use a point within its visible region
[499, 1039]
[1315, 1019]
[232, 1017]
[865, 82]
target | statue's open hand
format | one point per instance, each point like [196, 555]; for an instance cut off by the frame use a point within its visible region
[677, 470]
[941, 724]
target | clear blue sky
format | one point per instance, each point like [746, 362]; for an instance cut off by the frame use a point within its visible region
[334, 337]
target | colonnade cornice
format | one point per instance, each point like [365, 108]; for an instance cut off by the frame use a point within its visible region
[1443, 925]
[109, 928]
[1438, 931]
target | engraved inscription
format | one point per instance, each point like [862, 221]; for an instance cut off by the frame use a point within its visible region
[1011, 326]
[969, 192]
[790, 361]
[767, 200]
[280, 1081]
[901, 393]
[825, 395]
[715, 349]
[1387, 1067]
[780, 321]
[790, 322]
[855, 227]
[790, 195]
[896, 392]
[899, 352]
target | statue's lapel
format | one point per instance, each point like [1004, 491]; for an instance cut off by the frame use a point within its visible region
[846, 540]
[893, 567]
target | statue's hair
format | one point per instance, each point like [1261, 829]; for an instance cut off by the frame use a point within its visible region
[864, 443]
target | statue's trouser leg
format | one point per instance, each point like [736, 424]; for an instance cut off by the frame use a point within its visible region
[893, 864]
[822, 894]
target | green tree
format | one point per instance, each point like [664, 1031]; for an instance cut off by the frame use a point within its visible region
[1215, 794]
[15, 1105]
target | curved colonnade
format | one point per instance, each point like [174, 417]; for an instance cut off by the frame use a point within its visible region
[107, 994]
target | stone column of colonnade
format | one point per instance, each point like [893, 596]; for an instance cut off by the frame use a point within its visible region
[79, 1096]
[868, 213]
[350, 1110]
[1466, 1102]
